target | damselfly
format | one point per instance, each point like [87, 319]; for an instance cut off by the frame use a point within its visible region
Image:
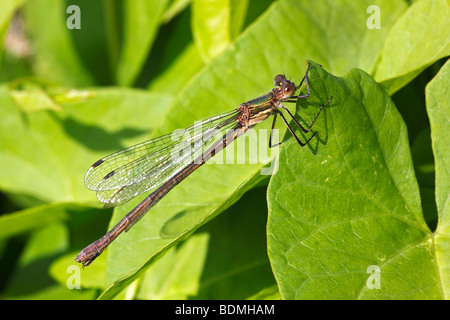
[157, 164]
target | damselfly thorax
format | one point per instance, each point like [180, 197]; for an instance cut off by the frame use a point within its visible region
[259, 109]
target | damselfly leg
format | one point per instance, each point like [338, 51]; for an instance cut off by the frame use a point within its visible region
[294, 99]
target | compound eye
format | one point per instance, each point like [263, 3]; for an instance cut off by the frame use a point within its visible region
[287, 90]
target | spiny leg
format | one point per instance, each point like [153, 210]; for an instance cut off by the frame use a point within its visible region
[294, 99]
[312, 123]
[271, 131]
[292, 132]
[305, 78]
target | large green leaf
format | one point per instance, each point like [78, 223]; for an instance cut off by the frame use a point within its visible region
[352, 203]
[56, 57]
[211, 27]
[179, 73]
[141, 22]
[439, 113]
[31, 218]
[419, 38]
[215, 24]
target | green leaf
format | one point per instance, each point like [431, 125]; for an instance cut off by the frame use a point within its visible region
[33, 95]
[66, 271]
[30, 279]
[177, 275]
[41, 247]
[419, 38]
[179, 73]
[351, 203]
[45, 154]
[270, 293]
[211, 26]
[175, 218]
[141, 22]
[175, 7]
[55, 58]
[439, 113]
[225, 259]
[32, 218]
[239, 9]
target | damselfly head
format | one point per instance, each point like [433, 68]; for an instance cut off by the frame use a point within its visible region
[286, 87]
[279, 80]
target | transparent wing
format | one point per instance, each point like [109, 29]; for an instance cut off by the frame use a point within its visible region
[121, 176]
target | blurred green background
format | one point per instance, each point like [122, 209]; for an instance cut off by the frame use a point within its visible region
[140, 68]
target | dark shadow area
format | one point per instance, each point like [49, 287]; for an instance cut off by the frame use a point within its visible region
[411, 103]
[96, 138]
[9, 258]
[85, 225]
[309, 110]
[31, 278]
[237, 265]
[255, 9]
[7, 204]
[91, 41]
[171, 40]
[175, 226]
